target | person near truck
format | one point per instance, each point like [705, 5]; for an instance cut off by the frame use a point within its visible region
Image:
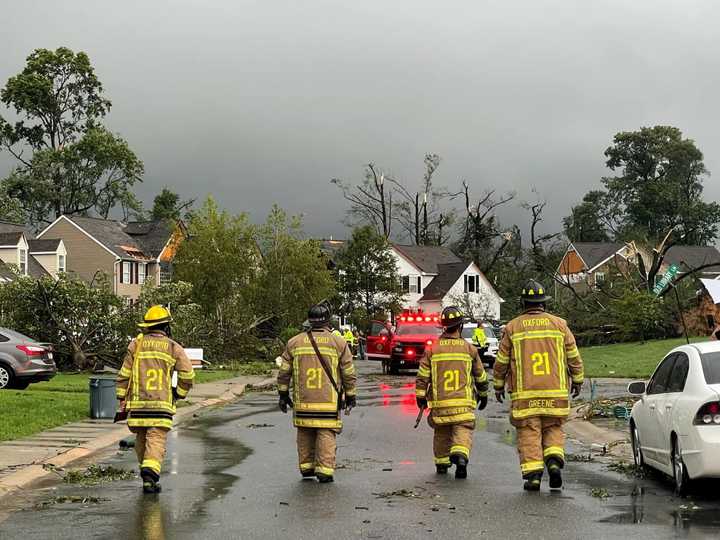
[145, 391]
[320, 367]
[452, 382]
[540, 365]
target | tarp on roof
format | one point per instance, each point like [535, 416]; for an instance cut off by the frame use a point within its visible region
[428, 258]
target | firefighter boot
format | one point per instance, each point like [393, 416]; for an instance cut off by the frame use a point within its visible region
[460, 465]
[324, 478]
[441, 469]
[554, 468]
[308, 474]
[532, 481]
[151, 481]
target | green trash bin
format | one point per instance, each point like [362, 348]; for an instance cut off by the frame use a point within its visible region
[103, 403]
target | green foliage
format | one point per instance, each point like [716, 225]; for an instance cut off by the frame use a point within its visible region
[83, 322]
[585, 222]
[660, 186]
[76, 165]
[168, 205]
[640, 315]
[368, 280]
[293, 275]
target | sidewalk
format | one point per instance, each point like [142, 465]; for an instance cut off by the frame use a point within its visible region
[27, 460]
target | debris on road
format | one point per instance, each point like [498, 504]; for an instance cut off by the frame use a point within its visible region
[579, 458]
[97, 474]
[76, 499]
[258, 426]
[600, 493]
[628, 469]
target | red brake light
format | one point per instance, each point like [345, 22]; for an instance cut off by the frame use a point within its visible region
[31, 350]
[709, 414]
[410, 352]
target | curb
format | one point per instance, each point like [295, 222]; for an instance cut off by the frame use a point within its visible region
[36, 472]
[608, 442]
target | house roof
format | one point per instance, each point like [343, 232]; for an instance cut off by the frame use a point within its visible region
[35, 269]
[690, 257]
[448, 275]
[44, 245]
[10, 226]
[428, 258]
[10, 238]
[152, 236]
[593, 253]
[110, 234]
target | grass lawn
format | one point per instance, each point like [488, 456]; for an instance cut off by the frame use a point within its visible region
[64, 399]
[631, 360]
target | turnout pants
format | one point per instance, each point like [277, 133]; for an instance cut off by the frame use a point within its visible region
[539, 439]
[316, 450]
[452, 439]
[150, 446]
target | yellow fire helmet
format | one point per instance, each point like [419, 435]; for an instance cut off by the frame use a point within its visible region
[155, 316]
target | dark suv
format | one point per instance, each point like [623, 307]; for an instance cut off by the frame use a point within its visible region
[23, 360]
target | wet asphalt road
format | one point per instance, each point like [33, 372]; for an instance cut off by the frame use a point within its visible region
[232, 474]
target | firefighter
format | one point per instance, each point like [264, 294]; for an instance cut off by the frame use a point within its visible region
[451, 381]
[479, 338]
[144, 390]
[539, 363]
[317, 400]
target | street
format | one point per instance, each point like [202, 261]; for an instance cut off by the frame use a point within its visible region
[232, 473]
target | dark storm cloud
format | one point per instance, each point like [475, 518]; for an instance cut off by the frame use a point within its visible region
[265, 101]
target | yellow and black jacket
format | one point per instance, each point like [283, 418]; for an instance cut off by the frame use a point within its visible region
[316, 402]
[451, 376]
[538, 361]
[144, 381]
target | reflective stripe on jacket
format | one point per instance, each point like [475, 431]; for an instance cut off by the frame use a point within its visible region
[450, 376]
[538, 360]
[316, 402]
[145, 378]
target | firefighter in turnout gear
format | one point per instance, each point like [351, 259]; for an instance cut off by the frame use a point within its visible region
[539, 363]
[451, 381]
[145, 392]
[319, 386]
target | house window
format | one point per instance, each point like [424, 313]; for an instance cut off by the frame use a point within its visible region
[412, 284]
[599, 278]
[142, 271]
[23, 262]
[472, 283]
[61, 263]
[127, 272]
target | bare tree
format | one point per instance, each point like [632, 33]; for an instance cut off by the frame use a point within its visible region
[480, 228]
[538, 240]
[371, 201]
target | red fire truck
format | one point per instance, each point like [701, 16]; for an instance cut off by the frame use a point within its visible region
[405, 345]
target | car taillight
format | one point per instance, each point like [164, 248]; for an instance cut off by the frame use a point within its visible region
[31, 350]
[709, 414]
[410, 352]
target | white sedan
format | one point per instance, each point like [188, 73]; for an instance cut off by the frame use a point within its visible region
[675, 427]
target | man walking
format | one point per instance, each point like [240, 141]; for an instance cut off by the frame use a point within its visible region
[321, 367]
[145, 391]
[539, 362]
[450, 378]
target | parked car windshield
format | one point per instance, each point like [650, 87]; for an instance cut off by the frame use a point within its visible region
[408, 329]
[711, 367]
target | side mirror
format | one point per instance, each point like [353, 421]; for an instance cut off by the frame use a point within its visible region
[637, 388]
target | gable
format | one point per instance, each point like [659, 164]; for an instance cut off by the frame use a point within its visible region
[571, 264]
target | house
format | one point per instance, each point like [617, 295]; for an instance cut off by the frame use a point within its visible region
[588, 264]
[29, 257]
[434, 277]
[129, 254]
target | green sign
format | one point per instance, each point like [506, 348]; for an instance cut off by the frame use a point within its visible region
[670, 273]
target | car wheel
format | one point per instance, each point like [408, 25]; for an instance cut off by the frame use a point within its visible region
[636, 448]
[680, 475]
[6, 377]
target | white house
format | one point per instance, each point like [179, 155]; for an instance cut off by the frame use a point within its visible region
[434, 277]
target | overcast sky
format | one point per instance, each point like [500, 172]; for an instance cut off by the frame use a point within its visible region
[265, 101]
